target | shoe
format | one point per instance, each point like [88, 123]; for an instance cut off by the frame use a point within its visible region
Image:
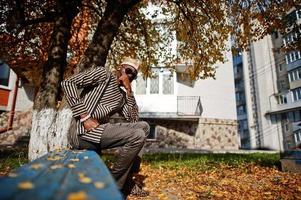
[138, 191]
[135, 190]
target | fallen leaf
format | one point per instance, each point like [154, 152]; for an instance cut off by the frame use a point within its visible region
[71, 165]
[99, 185]
[25, 185]
[74, 159]
[81, 195]
[86, 157]
[36, 166]
[54, 158]
[85, 180]
[56, 166]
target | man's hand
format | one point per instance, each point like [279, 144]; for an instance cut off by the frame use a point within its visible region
[124, 79]
[90, 124]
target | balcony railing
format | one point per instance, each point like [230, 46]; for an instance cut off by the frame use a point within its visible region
[293, 65]
[189, 105]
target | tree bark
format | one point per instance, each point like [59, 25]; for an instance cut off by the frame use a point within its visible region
[45, 116]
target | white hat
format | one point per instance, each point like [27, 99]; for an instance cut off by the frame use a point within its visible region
[132, 62]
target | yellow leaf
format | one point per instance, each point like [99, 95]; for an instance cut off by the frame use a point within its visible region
[71, 165]
[85, 180]
[74, 159]
[81, 195]
[99, 185]
[56, 166]
[25, 185]
[36, 166]
[54, 158]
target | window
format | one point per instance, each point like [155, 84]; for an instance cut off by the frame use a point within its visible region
[241, 110]
[140, 85]
[296, 94]
[297, 136]
[297, 116]
[294, 75]
[168, 84]
[298, 13]
[154, 84]
[161, 83]
[245, 124]
[152, 132]
[4, 74]
[282, 99]
[280, 67]
[286, 59]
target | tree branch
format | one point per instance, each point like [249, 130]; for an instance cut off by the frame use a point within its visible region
[47, 18]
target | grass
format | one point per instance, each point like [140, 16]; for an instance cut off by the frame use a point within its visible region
[11, 159]
[206, 161]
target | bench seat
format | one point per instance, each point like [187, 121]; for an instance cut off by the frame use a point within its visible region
[61, 175]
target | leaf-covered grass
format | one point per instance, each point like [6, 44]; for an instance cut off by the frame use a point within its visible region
[206, 161]
[11, 159]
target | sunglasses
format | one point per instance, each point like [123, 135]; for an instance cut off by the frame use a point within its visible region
[130, 72]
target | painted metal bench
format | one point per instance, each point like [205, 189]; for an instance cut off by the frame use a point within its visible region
[61, 175]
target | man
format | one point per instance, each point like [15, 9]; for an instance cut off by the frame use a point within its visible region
[102, 96]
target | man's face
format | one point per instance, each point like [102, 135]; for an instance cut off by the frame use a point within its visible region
[129, 70]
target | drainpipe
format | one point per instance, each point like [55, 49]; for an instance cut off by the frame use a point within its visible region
[12, 112]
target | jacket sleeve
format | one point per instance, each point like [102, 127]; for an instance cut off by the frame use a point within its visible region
[71, 85]
[130, 109]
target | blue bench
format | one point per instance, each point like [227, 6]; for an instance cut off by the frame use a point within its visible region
[61, 175]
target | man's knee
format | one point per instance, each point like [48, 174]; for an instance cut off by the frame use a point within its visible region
[145, 126]
[140, 135]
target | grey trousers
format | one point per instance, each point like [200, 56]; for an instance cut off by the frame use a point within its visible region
[130, 137]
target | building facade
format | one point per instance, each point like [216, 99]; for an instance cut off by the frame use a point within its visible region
[189, 114]
[270, 87]
[12, 89]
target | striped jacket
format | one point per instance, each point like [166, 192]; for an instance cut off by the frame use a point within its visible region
[101, 97]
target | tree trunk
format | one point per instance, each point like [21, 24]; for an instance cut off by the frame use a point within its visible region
[107, 29]
[50, 128]
[45, 121]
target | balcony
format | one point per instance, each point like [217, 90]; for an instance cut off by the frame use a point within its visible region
[189, 105]
[285, 107]
[293, 65]
[169, 106]
[295, 84]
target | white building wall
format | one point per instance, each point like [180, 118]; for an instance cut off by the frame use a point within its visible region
[11, 86]
[24, 98]
[217, 96]
[249, 104]
[266, 86]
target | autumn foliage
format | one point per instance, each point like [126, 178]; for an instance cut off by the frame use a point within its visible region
[200, 27]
